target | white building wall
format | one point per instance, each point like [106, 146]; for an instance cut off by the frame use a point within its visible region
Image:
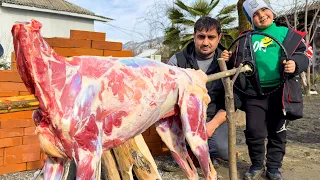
[54, 25]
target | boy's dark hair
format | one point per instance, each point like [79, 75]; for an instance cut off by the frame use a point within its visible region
[207, 23]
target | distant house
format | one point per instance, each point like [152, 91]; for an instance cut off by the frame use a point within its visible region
[58, 17]
[147, 53]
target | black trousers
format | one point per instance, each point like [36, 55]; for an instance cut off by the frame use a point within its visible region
[264, 119]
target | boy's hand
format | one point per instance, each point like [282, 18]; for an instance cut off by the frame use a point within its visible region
[225, 55]
[289, 66]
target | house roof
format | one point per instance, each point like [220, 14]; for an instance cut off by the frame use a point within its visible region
[147, 53]
[56, 6]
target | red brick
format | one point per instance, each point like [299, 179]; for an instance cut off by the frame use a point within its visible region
[1, 161]
[68, 43]
[43, 156]
[10, 76]
[6, 133]
[17, 115]
[19, 158]
[24, 93]
[35, 165]
[164, 147]
[114, 46]
[97, 36]
[13, 57]
[67, 52]
[158, 153]
[10, 168]
[152, 138]
[14, 67]
[22, 149]
[30, 140]
[146, 132]
[123, 53]
[12, 86]
[8, 142]
[29, 131]
[1, 152]
[16, 123]
[8, 93]
[156, 145]
[153, 130]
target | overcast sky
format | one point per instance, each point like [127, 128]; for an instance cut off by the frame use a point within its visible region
[129, 22]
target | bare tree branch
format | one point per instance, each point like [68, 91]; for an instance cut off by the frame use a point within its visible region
[287, 21]
[311, 25]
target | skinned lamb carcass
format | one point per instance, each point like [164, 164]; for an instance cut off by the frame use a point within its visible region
[91, 104]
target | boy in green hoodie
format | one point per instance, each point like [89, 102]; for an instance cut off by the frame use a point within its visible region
[266, 116]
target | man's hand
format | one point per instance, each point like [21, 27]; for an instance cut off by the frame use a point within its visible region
[289, 66]
[225, 55]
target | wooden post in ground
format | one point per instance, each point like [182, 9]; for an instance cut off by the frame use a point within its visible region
[229, 104]
[109, 169]
[135, 155]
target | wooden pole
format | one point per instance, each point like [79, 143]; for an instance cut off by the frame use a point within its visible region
[18, 103]
[229, 101]
[228, 73]
[135, 155]
[109, 169]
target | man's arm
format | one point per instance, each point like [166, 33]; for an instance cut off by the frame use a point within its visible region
[216, 121]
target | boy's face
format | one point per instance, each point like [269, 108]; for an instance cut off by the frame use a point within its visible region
[262, 18]
[206, 42]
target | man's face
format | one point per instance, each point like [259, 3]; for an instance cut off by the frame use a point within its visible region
[206, 42]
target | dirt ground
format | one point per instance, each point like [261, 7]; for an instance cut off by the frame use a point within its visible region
[302, 159]
[301, 162]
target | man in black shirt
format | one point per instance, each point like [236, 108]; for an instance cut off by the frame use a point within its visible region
[202, 54]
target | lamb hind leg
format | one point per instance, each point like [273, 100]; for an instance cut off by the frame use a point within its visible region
[54, 168]
[88, 165]
[193, 114]
[170, 131]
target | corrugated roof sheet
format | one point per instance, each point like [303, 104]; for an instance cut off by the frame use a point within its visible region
[57, 5]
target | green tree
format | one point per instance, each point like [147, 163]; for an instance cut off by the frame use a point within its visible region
[244, 24]
[4, 65]
[183, 18]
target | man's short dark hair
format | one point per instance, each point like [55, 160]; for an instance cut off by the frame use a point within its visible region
[207, 23]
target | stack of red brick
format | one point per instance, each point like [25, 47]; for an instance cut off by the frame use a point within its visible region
[19, 147]
[87, 43]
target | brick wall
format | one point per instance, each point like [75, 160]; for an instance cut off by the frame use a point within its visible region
[19, 147]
